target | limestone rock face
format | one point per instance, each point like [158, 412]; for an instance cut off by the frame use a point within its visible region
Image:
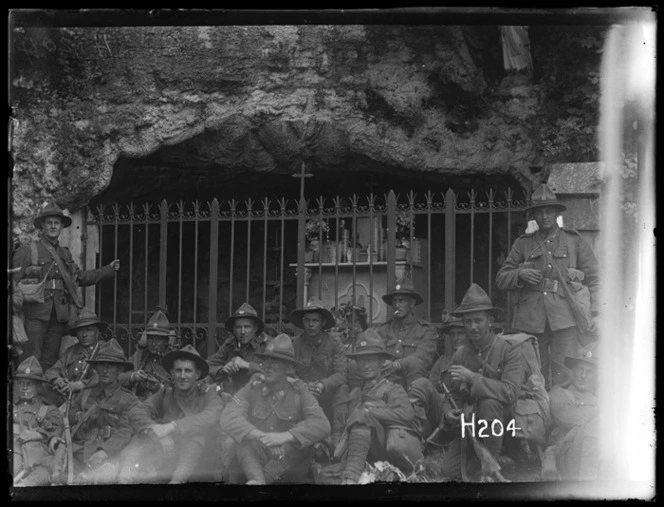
[258, 98]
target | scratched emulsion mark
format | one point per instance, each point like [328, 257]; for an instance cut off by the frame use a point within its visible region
[627, 330]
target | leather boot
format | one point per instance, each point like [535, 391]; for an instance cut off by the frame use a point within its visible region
[359, 440]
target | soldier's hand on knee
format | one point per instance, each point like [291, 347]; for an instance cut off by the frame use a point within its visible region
[461, 373]
[278, 439]
[530, 275]
[277, 452]
[54, 443]
[97, 458]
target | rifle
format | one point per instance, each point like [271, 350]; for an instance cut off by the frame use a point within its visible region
[68, 435]
[490, 465]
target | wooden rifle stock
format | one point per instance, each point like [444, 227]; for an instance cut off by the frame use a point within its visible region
[68, 435]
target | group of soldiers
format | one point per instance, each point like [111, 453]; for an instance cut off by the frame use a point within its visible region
[309, 409]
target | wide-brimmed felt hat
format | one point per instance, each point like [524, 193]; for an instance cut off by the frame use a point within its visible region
[30, 369]
[587, 354]
[475, 300]
[246, 311]
[187, 352]
[314, 305]
[86, 318]
[450, 321]
[280, 347]
[51, 210]
[403, 287]
[158, 325]
[112, 353]
[370, 343]
[542, 197]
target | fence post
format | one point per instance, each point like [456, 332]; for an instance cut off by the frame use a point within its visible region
[163, 243]
[450, 247]
[300, 252]
[212, 294]
[391, 239]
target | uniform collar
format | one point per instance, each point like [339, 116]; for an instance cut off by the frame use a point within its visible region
[22, 403]
[103, 392]
[315, 341]
[279, 390]
[550, 236]
[55, 244]
[405, 323]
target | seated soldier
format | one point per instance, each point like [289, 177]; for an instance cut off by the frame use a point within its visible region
[486, 375]
[412, 342]
[37, 430]
[381, 422]
[274, 420]
[65, 375]
[454, 330]
[177, 425]
[322, 363]
[99, 418]
[573, 453]
[234, 363]
[149, 375]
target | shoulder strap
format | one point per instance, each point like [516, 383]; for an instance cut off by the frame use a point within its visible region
[33, 251]
[571, 251]
[65, 276]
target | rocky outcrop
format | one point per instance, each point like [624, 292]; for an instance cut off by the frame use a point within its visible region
[259, 98]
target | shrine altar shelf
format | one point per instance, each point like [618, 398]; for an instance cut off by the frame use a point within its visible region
[333, 283]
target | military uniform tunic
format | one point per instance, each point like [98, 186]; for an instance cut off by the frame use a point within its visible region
[34, 426]
[292, 409]
[58, 298]
[232, 348]
[105, 421]
[322, 360]
[574, 434]
[71, 364]
[413, 342]
[537, 305]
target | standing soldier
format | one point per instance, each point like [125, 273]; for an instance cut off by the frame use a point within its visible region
[149, 375]
[235, 362]
[46, 259]
[275, 420]
[65, 375]
[536, 268]
[177, 425]
[99, 418]
[413, 344]
[37, 429]
[381, 423]
[322, 362]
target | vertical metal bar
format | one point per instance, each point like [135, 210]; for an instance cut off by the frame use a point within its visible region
[490, 287]
[372, 246]
[146, 208]
[212, 294]
[391, 239]
[450, 247]
[429, 242]
[281, 265]
[300, 251]
[266, 211]
[411, 236]
[353, 235]
[509, 242]
[321, 204]
[196, 222]
[131, 270]
[180, 217]
[249, 211]
[337, 255]
[472, 235]
[232, 254]
[163, 243]
[84, 245]
[116, 217]
[101, 251]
